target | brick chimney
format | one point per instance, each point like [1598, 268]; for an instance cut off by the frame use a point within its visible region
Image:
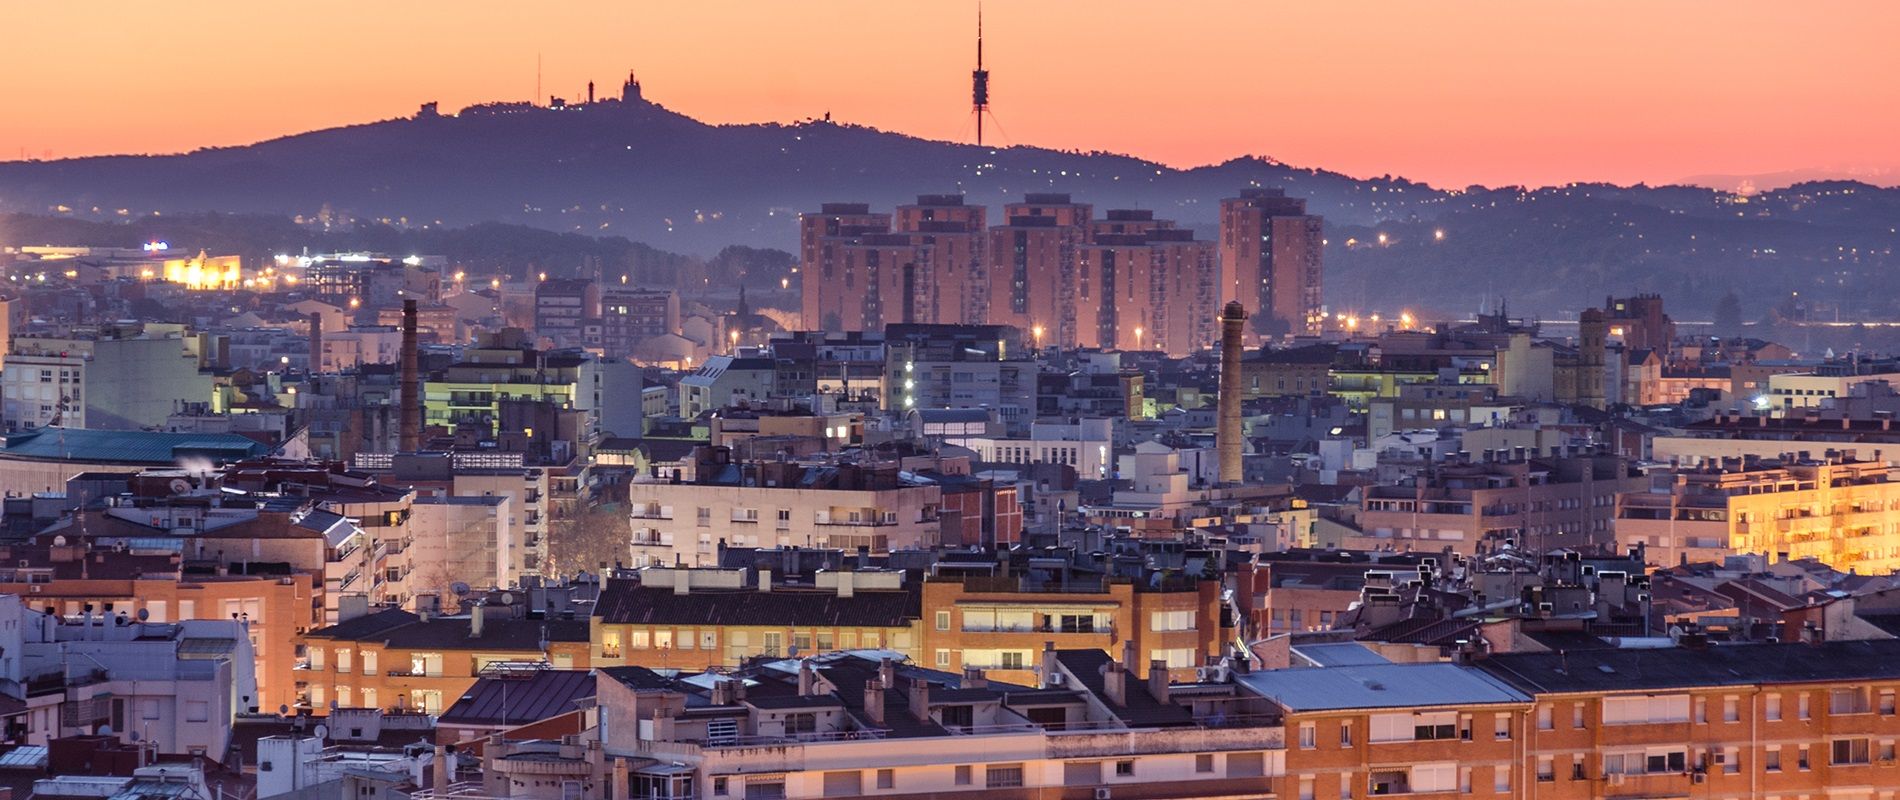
[410, 427]
[1158, 679]
[874, 702]
[973, 679]
[920, 699]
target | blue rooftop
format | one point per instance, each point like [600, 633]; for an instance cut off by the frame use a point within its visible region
[155, 448]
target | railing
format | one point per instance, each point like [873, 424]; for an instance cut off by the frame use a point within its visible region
[794, 738]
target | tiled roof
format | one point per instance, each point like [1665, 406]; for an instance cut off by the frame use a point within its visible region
[516, 701]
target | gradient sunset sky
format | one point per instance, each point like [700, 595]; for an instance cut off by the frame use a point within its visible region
[1447, 92]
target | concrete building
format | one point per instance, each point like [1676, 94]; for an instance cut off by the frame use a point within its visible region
[778, 504]
[1270, 261]
[697, 619]
[1534, 504]
[423, 661]
[998, 623]
[726, 381]
[1833, 508]
[1033, 267]
[107, 383]
[631, 316]
[952, 237]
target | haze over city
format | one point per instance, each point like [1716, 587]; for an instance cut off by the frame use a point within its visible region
[1449, 93]
[1028, 401]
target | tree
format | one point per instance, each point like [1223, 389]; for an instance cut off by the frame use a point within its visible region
[596, 537]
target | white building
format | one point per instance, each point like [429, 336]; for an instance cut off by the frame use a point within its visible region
[468, 539]
[1087, 444]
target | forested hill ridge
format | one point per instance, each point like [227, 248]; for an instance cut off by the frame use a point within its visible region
[641, 172]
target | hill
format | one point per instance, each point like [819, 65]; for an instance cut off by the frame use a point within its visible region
[640, 172]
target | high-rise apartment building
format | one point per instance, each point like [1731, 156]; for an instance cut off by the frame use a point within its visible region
[1143, 284]
[953, 237]
[1033, 267]
[1270, 257]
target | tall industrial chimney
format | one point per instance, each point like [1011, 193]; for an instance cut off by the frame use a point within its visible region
[1593, 329]
[411, 426]
[316, 343]
[1227, 437]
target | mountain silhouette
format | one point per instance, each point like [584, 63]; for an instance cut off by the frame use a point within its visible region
[640, 171]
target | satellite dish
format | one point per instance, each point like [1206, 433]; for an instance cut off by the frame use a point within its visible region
[105, 730]
[145, 614]
[507, 598]
[282, 709]
[460, 588]
[59, 541]
[322, 732]
[179, 486]
[133, 736]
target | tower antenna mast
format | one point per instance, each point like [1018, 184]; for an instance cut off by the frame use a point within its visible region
[979, 80]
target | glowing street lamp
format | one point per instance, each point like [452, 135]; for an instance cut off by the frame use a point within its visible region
[1037, 332]
[734, 336]
[1138, 332]
[494, 283]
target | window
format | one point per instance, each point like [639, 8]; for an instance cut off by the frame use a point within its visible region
[1125, 768]
[757, 788]
[1645, 709]
[1801, 758]
[1731, 709]
[1886, 702]
[1701, 710]
[1546, 769]
[943, 658]
[1309, 736]
[801, 723]
[1771, 759]
[719, 786]
[1731, 760]
[1204, 762]
[1544, 718]
[844, 784]
[1003, 776]
[343, 659]
[1576, 715]
[1848, 701]
[1501, 780]
[963, 775]
[1464, 780]
[943, 620]
[197, 711]
[1801, 710]
[1771, 708]
[1435, 725]
[1306, 787]
[887, 779]
[1849, 751]
[369, 662]
[1345, 733]
[1503, 724]
[1171, 620]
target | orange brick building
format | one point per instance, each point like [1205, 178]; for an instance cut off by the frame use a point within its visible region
[999, 624]
[423, 662]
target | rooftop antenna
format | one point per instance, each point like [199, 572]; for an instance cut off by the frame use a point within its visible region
[536, 100]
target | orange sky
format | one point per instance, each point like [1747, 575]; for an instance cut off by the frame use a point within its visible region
[1449, 92]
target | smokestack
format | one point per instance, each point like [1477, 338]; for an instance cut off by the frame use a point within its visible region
[1227, 435]
[411, 427]
[316, 343]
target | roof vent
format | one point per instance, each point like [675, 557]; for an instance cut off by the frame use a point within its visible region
[1606, 669]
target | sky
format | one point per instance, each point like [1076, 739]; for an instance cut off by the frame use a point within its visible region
[1453, 92]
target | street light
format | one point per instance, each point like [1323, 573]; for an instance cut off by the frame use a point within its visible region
[1138, 331]
[1037, 332]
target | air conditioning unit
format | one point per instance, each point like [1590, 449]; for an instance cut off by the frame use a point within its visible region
[1698, 778]
[1104, 793]
[35, 589]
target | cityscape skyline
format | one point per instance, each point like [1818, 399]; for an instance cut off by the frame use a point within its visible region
[1449, 94]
